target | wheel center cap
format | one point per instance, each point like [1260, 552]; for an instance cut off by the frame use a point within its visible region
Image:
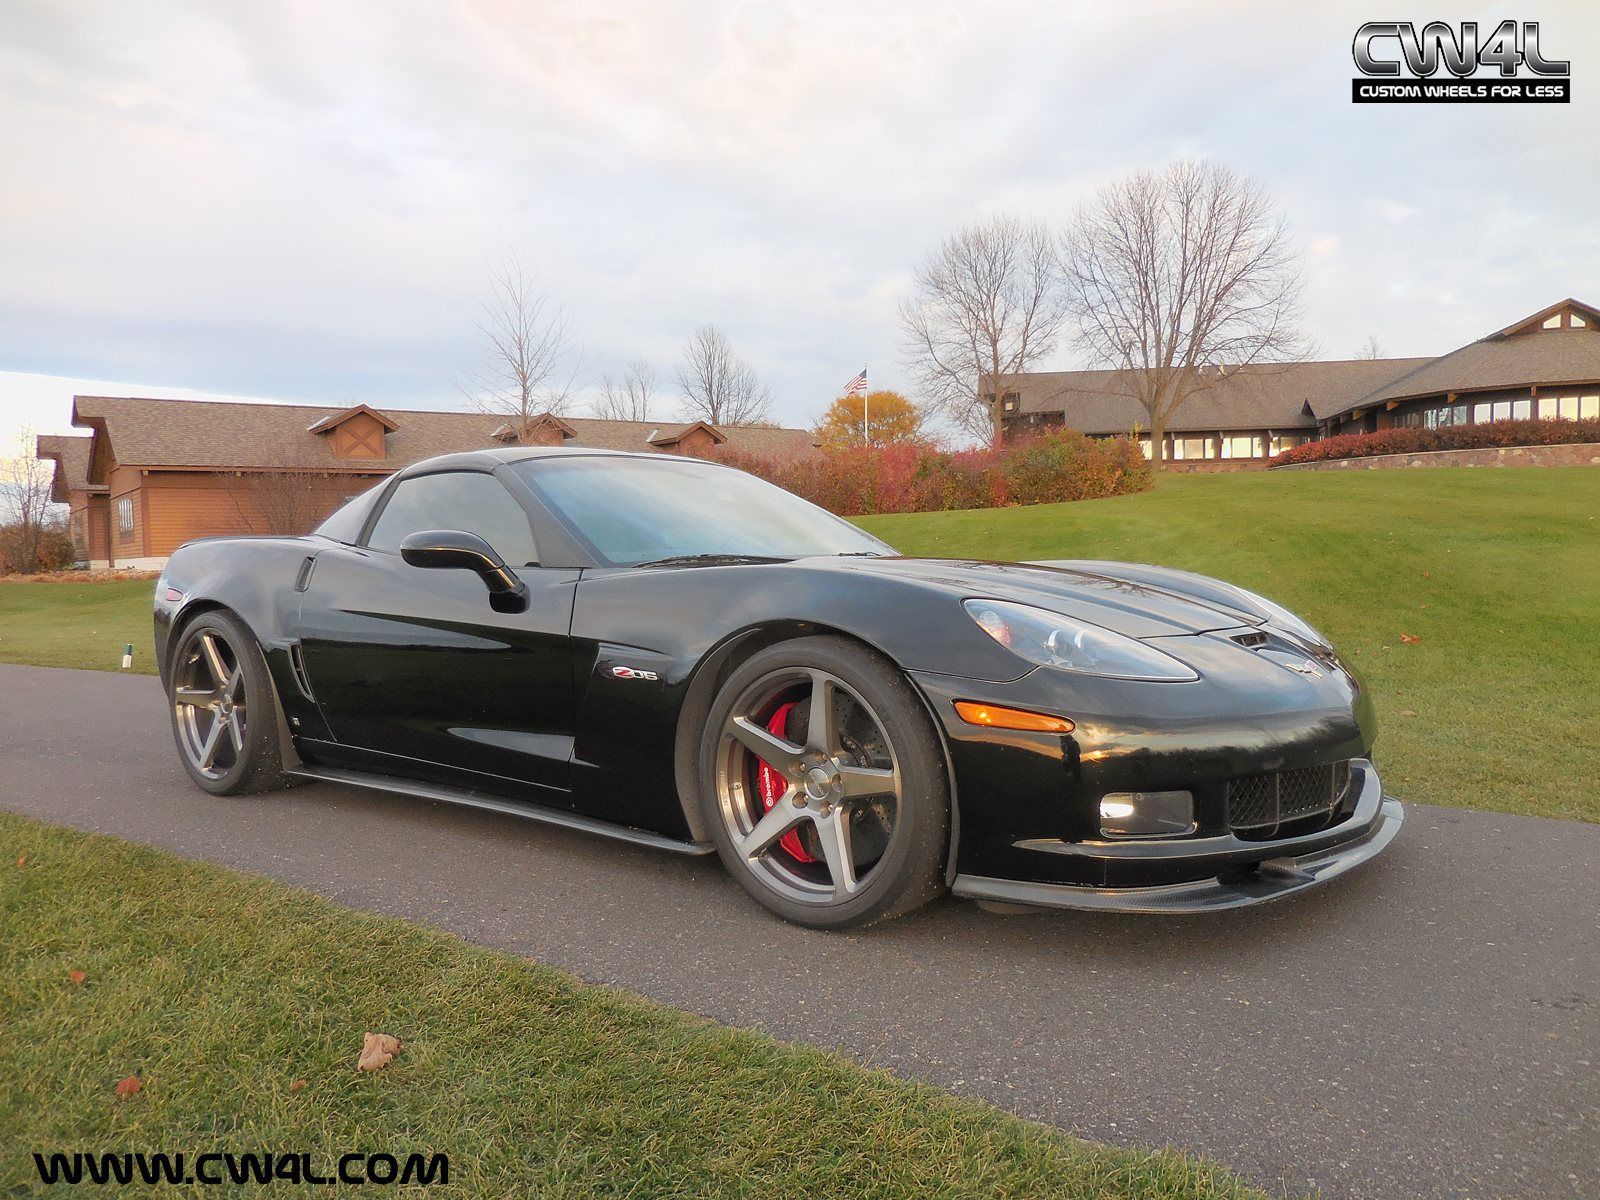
[820, 782]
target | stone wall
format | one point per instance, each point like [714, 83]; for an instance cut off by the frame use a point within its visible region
[1583, 454]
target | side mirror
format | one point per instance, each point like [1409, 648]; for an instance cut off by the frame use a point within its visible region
[455, 549]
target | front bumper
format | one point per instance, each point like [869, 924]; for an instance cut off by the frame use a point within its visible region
[1244, 873]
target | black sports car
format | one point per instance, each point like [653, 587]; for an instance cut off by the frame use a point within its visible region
[680, 654]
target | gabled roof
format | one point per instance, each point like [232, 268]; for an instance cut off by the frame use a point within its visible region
[671, 435]
[1523, 354]
[1527, 324]
[1260, 396]
[229, 435]
[332, 421]
[71, 458]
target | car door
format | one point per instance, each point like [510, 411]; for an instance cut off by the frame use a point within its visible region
[413, 668]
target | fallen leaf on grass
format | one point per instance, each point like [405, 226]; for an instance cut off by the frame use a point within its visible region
[1410, 639]
[129, 1086]
[22, 860]
[296, 1086]
[77, 977]
[1406, 712]
[377, 1050]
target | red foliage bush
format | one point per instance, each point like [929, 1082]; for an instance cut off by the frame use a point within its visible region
[915, 477]
[1552, 432]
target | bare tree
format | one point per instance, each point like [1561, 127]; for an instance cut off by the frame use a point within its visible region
[718, 386]
[1372, 348]
[25, 502]
[529, 360]
[632, 398]
[986, 309]
[286, 500]
[1180, 277]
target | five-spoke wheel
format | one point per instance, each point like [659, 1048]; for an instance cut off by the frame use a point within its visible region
[223, 716]
[827, 789]
[209, 703]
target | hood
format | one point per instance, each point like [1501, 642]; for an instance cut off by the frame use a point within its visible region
[1127, 601]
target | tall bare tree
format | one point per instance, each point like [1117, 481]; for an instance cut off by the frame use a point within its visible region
[1180, 277]
[285, 499]
[1372, 348]
[529, 361]
[718, 386]
[25, 504]
[630, 399]
[987, 308]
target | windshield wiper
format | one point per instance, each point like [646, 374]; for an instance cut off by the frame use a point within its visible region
[712, 560]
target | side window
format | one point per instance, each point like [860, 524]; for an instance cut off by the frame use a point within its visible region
[466, 500]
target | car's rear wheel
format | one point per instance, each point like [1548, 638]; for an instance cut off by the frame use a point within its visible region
[824, 784]
[223, 716]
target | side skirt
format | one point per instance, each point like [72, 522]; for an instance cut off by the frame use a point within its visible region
[473, 799]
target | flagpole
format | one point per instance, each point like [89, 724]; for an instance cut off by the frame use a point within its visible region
[866, 437]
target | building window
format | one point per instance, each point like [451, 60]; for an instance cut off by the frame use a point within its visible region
[1589, 408]
[1248, 446]
[1288, 441]
[1190, 448]
[1553, 322]
[1578, 322]
[1485, 411]
[1547, 408]
[125, 516]
[1144, 446]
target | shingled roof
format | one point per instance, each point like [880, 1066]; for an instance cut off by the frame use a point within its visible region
[1520, 355]
[1260, 396]
[229, 435]
[71, 458]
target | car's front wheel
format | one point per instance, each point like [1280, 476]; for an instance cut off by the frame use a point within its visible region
[824, 784]
[223, 716]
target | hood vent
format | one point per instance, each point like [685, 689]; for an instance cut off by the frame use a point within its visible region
[1253, 640]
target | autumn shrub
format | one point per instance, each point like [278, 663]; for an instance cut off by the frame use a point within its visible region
[1497, 434]
[920, 477]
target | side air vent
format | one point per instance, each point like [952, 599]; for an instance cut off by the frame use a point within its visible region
[297, 663]
[1251, 641]
[303, 580]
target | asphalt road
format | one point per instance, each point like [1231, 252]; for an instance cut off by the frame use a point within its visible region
[1428, 1026]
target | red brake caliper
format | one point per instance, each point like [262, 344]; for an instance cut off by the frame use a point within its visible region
[772, 785]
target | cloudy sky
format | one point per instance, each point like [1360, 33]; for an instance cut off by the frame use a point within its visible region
[302, 200]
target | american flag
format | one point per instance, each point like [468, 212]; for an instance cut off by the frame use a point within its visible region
[858, 384]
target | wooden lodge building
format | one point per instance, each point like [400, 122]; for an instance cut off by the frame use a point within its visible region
[1545, 365]
[152, 474]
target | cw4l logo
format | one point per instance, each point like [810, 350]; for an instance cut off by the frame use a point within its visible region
[1453, 64]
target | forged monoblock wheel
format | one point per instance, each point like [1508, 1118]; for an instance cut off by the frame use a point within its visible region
[824, 785]
[223, 716]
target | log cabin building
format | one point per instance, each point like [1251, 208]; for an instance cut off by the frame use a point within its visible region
[152, 474]
[1546, 365]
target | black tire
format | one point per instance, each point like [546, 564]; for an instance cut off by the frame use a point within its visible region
[246, 756]
[909, 868]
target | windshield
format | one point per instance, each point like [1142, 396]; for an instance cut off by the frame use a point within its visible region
[630, 511]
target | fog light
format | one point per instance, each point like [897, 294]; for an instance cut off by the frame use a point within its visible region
[1146, 814]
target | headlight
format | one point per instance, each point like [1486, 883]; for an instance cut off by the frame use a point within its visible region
[1286, 620]
[1052, 640]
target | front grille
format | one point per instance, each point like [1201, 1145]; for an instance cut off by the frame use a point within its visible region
[1259, 806]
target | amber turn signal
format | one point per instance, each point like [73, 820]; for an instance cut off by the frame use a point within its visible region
[996, 717]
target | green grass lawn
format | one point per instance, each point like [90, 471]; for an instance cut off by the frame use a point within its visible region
[1497, 571]
[219, 990]
[78, 624]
